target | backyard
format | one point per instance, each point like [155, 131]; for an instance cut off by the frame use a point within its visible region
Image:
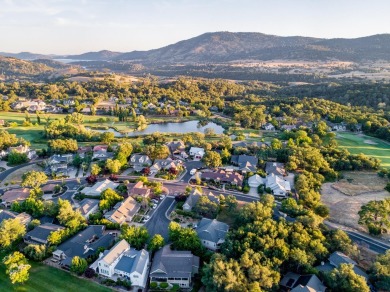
[44, 278]
[360, 143]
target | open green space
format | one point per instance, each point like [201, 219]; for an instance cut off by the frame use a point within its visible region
[359, 143]
[44, 278]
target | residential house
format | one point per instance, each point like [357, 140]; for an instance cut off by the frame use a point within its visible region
[100, 148]
[140, 161]
[243, 144]
[269, 127]
[194, 196]
[164, 164]
[197, 153]
[224, 176]
[40, 234]
[88, 207]
[58, 163]
[99, 187]
[246, 163]
[212, 233]
[123, 211]
[101, 152]
[60, 158]
[297, 283]
[82, 151]
[14, 195]
[124, 262]
[255, 181]
[279, 186]
[138, 189]
[102, 155]
[275, 168]
[174, 267]
[176, 147]
[288, 128]
[23, 149]
[341, 127]
[68, 102]
[336, 259]
[84, 244]
[24, 218]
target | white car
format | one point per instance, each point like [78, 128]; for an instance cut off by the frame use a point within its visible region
[154, 201]
[162, 197]
[193, 171]
[154, 206]
[146, 218]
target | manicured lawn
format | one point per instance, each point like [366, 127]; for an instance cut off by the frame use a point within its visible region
[358, 143]
[44, 278]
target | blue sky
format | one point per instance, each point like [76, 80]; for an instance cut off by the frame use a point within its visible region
[76, 26]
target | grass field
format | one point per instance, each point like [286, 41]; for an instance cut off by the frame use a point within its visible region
[44, 278]
[359, 143]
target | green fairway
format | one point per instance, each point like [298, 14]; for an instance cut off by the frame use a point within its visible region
[44, 278]
[359, 143]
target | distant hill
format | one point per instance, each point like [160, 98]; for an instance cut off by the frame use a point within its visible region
[26, 55]
[228, 46]
[94, 56]
[218, 47]
[17, 67]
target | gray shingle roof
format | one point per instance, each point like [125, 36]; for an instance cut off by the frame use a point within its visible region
[85, 243]
[212, 230]
[173, 263]
[43, 231]
[133, 261]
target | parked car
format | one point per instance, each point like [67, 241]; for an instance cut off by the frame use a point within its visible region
[146, 218]
[154, 201]
[193, 171]
[154, 206]
[162, 197]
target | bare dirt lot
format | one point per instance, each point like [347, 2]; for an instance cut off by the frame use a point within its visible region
[345, 197]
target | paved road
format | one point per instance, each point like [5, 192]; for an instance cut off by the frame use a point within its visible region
[191, 165]
[371, 243]
[158, 222]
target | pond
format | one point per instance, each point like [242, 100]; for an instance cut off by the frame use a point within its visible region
[182, 128]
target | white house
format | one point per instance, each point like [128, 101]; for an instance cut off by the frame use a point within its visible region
[269, 127]
[99, 187]
[197, 153]
[255, 180]
[278, 185]
[212, 233]
[123, 262]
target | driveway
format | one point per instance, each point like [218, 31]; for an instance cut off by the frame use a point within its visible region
[158, 222]
[191, 165]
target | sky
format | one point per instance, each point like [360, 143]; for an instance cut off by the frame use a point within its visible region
[77, 26]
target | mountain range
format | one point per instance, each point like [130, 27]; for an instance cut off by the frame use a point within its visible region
[220, 47]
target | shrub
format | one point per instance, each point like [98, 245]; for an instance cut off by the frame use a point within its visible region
[153, 285]
[164, 285]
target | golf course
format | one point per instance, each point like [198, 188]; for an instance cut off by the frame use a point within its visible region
[360, 143]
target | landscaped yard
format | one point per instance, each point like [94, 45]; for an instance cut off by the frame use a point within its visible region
[44, 278]
[359, 143]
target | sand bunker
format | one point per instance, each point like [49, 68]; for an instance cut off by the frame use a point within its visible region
[370, 142]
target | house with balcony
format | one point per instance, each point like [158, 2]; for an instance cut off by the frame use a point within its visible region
[124, 262]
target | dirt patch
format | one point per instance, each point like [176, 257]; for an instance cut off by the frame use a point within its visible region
[346, 197]
[16, 176]
[359, 183]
